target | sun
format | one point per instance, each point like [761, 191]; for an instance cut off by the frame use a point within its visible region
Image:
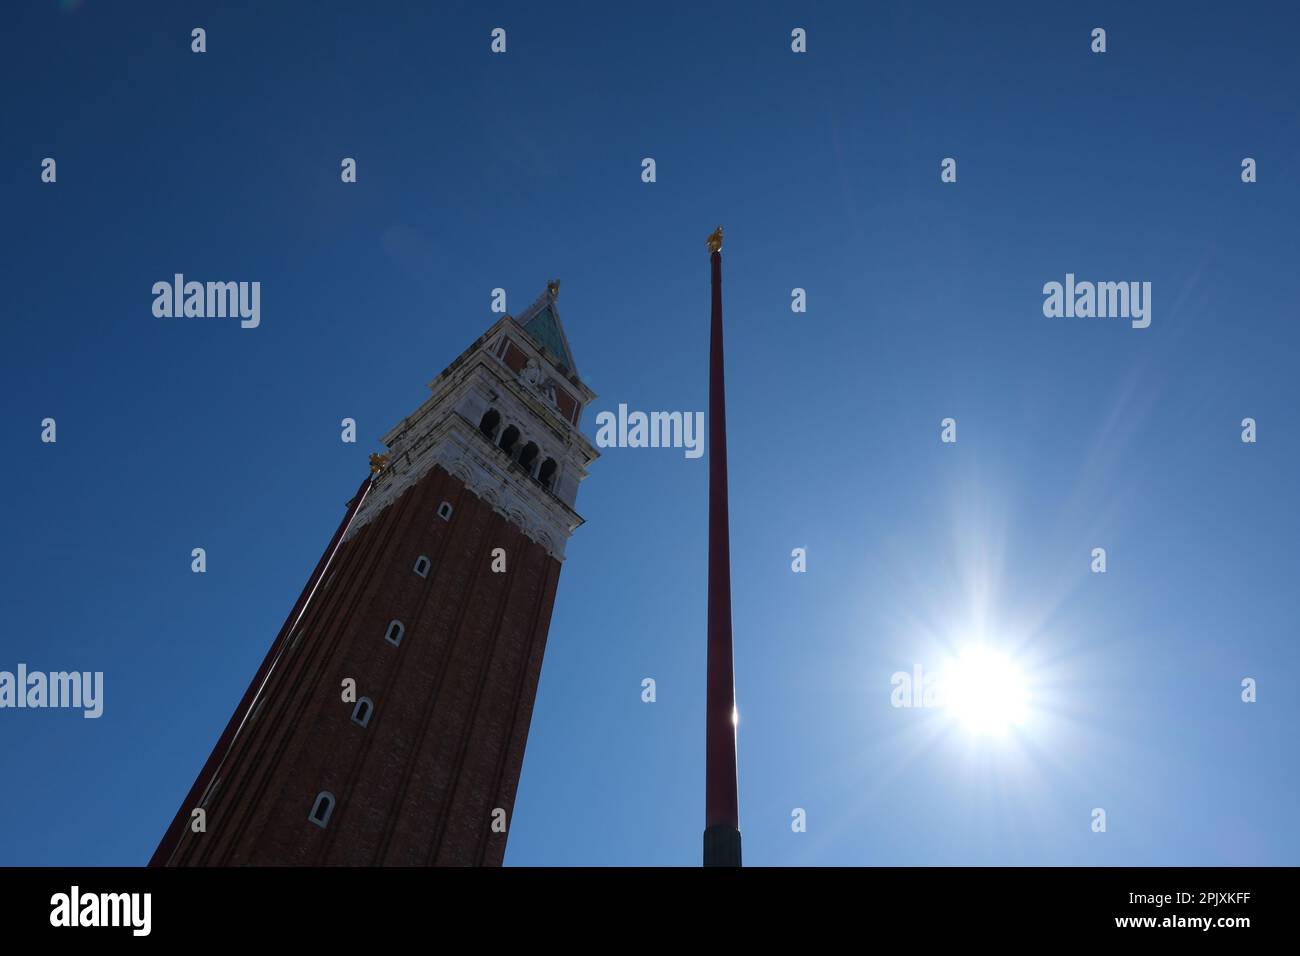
[985, 691]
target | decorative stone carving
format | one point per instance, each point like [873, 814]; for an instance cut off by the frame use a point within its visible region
[538, 381]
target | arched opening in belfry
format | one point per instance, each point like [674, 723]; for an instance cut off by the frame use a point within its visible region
[509, 438]
[546, 474]
[491, 421]
[528, 456]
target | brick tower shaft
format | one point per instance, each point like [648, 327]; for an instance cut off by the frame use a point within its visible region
[388, 724]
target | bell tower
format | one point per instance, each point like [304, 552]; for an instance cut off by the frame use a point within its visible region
[432, 602]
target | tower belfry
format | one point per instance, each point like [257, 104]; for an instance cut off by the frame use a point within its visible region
[433, 599]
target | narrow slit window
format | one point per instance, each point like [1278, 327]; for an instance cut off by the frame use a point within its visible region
[321, 809]
[444, 511]
[422, 566]
[394, 634]
[361, 713]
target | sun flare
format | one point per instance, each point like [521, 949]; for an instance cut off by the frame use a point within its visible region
[985, 691]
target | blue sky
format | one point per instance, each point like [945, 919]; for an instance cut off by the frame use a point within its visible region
[924, 301]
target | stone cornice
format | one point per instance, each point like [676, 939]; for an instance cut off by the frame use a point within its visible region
[459, 448]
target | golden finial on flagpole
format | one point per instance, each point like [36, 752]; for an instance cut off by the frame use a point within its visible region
[715, 240]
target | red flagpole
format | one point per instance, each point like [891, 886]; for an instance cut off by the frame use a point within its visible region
[721, 816]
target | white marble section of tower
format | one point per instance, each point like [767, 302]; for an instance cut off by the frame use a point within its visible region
[504, 418]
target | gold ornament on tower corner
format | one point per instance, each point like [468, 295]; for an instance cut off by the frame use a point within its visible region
[553, 287]
[377, 463]
[715, 240]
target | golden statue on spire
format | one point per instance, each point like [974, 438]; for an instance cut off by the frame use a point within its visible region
[715, 240]
[378, 463]
[553, 287]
